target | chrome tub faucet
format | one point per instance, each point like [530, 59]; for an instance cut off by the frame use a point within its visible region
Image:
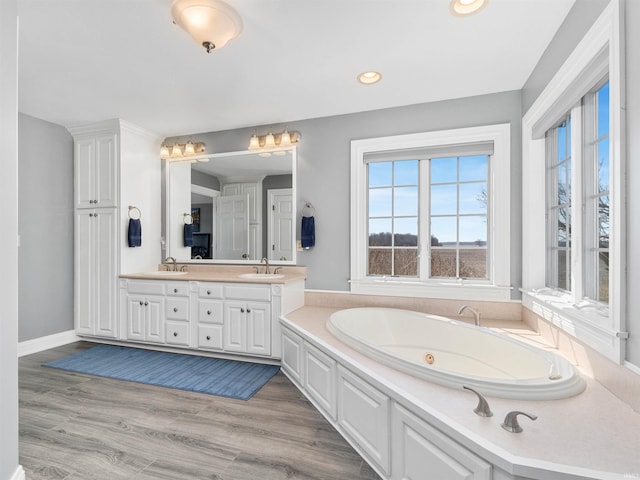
[476, 313]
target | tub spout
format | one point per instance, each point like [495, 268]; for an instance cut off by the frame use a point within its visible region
[482, 409]
[511, 424]
[476, 313]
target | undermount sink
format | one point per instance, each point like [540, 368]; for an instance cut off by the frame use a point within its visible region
[165, 273]
[261, 275]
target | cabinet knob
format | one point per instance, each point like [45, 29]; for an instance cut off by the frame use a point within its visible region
[248, 310]
[175, 309]
[95, 214]
[208, 292]
[175, 290]
[146, 303]
[208, 312]
[242, 310]
[208, 337]
[141, 303]
[175, 334]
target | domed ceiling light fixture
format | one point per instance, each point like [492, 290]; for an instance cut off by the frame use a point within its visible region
[211, 23]
[460, 8]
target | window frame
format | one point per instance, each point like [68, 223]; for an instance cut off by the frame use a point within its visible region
[599, 54]
[499, 215]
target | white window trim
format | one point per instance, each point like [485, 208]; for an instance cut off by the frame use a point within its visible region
[500, 214]
[596, 325]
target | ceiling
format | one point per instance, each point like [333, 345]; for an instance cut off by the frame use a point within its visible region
[90, 60]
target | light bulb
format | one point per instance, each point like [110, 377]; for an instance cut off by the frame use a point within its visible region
[269, 141]
[254, 143]
[176, 151]
[164, 152]
[189, 149]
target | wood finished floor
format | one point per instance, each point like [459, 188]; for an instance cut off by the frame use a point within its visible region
[80, 427]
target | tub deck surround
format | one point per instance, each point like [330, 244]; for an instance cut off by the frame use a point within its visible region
[222, 273]
[591, 435]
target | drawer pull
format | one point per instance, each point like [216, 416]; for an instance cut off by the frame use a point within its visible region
[242, 310]
[175, 290]
[146, 303]
[208, 312]
[208, 337]
[175, 334]
[248, 310]
[141, 303]
[208, 292]
[175, 309]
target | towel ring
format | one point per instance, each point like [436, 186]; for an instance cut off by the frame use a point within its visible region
[308, 210]
[188, 219]
[134, 212]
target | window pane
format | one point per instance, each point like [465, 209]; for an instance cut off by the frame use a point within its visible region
[602, 102]
[444, 170]
[406, 232]
[380, 202]
[563, 185]
[379, 262]
[444, 229]
[405, 172]
[562, 269]
[603, 165]
[562, 219]
[380, 174]
[562, 142]
[406, 262]
[603, 277]
[443, 262]
[473, 231]
[603, 221]
[473, 168]
[473, 263]
[405, 201]
[473, 198]
[444, 199]
[380, 232]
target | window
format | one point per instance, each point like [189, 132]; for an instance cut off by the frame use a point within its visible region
[573, 271]
[427, 218]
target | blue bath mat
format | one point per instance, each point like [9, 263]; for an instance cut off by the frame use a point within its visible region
[226, 378]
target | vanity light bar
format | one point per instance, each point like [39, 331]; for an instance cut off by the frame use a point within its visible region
[178, 151]
[273, 141]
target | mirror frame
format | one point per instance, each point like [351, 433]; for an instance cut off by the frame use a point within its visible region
[212, 157]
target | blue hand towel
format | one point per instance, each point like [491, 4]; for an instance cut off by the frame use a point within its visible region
[134, 234]
[188, 234]
[308, 232]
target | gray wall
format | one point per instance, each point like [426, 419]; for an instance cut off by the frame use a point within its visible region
[46, 228]
[324, 166]
[8, 239]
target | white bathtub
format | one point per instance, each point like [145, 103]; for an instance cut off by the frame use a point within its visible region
[454, 353]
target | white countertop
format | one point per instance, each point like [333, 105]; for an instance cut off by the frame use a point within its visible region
[591, 435]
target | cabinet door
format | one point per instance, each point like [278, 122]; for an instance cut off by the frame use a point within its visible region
[85, 173]
[320, 378]
[106, 169]
[258, 328]
[292, 356]
[421, 452]
[154, 320]
[106, 272]
[235, 326]
[136, 312]
[84, 273]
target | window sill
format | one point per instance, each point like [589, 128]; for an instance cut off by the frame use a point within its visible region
[415, 288]
[588, 321]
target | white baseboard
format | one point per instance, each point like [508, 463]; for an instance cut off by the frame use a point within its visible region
[18, 474]
[44, 343]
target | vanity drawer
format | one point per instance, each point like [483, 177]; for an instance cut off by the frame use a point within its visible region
[145, 288]
[248, 292]
[210, 337]
[177, 333]
[177, 308]
[210, 290]
[176, 289]
[210, 311]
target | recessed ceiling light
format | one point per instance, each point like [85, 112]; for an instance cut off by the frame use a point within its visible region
[367, 78]
[466, 7]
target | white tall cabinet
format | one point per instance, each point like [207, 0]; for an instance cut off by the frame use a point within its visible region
[116, 166]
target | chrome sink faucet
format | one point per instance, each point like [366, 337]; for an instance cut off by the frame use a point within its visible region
[476, 313]
[173, 261]
[267, 270]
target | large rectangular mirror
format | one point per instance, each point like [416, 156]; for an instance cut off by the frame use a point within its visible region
[234, 207]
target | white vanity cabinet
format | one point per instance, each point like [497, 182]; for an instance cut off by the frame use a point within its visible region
[144, 310]
[95, 272]
[209, 321]
[177, 314]
[109, 159]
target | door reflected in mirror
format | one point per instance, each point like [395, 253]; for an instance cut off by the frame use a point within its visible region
[241, 207]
